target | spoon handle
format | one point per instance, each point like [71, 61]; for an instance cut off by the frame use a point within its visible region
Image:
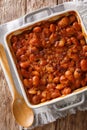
[7, 72]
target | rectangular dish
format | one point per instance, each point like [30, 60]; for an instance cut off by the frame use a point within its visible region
[14, 55]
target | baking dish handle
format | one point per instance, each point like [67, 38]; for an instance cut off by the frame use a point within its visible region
[38, 14]
[72, 105]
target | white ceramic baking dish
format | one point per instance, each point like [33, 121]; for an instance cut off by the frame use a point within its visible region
[11, 55]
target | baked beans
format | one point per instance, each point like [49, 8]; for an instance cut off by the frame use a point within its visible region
[52, 58]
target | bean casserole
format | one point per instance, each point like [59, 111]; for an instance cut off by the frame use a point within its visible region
[51, 58]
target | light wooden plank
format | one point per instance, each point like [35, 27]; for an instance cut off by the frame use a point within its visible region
[62, 1]
[7, 121]
[9, 10]
[36, 4]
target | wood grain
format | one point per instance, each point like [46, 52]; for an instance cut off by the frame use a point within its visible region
[7, 121]
[32, 5]
[12, 9]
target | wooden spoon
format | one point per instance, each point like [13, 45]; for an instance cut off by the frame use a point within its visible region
[22, 113]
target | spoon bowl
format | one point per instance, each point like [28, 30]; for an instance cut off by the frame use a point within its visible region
[22, 113]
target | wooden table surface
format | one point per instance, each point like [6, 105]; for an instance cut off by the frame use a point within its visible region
[9, 10]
